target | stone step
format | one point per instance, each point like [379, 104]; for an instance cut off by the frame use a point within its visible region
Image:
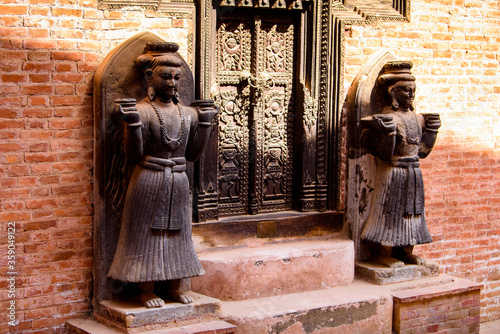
[91, 326]
[356, 308]
[275, 269]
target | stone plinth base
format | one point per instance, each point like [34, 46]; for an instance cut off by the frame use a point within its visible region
[356, 308]
[132, 317]
[438, 308]
[379, 274]
[275, 269]
[90, 326]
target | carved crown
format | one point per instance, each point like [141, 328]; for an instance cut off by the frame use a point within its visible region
[162, 47]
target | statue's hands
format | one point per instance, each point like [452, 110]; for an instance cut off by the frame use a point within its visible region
[432, 121]
[384, 124]
[206, 110]
[128, 114]
[206, 114]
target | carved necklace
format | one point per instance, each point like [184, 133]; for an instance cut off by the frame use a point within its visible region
[410, 129]
[173, 144]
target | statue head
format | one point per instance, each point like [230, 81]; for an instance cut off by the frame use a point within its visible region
[162, 68]
[396, 77]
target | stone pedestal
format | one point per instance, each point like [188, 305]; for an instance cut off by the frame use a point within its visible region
[380, 274]
[114, 316]
[129, 315]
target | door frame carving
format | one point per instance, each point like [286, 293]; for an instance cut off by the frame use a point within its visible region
[316, 127]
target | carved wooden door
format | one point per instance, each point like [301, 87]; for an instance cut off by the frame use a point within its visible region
[254, 90]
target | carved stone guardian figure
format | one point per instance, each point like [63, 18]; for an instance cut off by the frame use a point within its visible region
[398, 138]
[159, 135]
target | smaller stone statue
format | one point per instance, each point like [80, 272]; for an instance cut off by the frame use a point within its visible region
[398, 138]
[160, 134]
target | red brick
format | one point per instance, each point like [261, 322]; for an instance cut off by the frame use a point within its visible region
[38, 67]
[43, 11]
[37, 89]
[68, 77]
[67, 55]
[13, 147]
[40, 157]
[14, 216]
[67, 12]
[38, 101]
[63, 123]
[18, 170]
[13, 9]
[14, 78]
[39, 78]
[66, 100]
[37, 44]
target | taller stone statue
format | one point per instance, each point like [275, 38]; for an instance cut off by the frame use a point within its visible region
[160, 134]
[398, 138]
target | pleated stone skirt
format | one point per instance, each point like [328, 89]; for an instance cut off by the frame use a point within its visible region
[388, 223]
[145, 254]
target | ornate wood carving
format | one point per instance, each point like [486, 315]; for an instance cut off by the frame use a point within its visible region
[255, 138]
[290, 163]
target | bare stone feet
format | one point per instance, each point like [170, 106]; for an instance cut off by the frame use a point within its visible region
[409, 257]
[413, 259]
[390, 262]
[181, 297]
[150, 300]
[385, 258]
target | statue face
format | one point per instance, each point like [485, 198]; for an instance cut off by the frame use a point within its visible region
[404, 93]
[165, 81]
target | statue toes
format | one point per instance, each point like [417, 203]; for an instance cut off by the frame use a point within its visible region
[186, 299]
[413, 259]
[391, 262]
[155, 303]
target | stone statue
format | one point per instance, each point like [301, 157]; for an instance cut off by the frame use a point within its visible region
[398, 138]
[159, 134]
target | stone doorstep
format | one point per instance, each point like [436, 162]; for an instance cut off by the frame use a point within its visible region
[359, 307]
[91, 326]
[379, 274]
[132, 316]
[275, 269]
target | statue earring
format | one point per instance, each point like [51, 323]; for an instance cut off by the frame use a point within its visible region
[395, 103]
[151, 93]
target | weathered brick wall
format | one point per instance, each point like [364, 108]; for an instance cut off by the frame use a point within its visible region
[49, 51]
[454, 46]
[437, 309]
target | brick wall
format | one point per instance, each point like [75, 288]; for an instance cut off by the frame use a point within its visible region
[448, 308]
[454, 46]
[49, 50]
